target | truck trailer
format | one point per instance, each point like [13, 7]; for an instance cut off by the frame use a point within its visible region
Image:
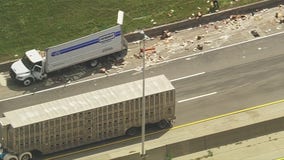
[35, 64]
[86, 118]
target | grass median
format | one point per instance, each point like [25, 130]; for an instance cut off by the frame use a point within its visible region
[29, 24]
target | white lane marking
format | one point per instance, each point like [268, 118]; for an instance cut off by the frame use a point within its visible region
[64, 85]
[1, 100]
[222, 47]
[189, 76]
[193, 98]
[3, 80]
[187, 56]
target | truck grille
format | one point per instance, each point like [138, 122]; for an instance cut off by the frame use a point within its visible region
[12, 74]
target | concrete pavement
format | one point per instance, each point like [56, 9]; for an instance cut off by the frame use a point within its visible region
[205, 135]
[224, 41]
[268, 147]
[181, 43]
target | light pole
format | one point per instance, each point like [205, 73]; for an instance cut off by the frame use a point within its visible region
[143, 151]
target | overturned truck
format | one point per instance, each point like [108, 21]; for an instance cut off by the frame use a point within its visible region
[86, 118]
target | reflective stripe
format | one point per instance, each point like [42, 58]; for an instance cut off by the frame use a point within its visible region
[85, 44]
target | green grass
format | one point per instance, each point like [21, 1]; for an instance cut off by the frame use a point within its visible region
[28, 24]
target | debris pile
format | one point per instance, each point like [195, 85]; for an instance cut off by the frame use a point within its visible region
[255, 33]
[67, 75]
[279, 17]
[103, 70]
[237, 17]
[185, 42]
[150, 54]
[208, 36]
[199, 47]
[165, 34]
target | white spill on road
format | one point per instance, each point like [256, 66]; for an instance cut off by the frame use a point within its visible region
[3, 80]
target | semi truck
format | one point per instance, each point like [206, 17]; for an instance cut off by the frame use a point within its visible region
[35, 64]
[86, 118]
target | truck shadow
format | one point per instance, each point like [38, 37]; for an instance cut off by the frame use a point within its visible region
[66, 76]
[152, 132]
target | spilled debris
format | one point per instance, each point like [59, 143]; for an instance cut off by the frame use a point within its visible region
[254, 33]
[173, 44]
[165, 34]
[211, 35]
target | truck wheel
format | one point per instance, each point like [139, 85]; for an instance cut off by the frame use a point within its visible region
[119, 56]
[27, 81]
[163, 124]
[25, 156]
[93, 63]
[10, 157]
[133, 131]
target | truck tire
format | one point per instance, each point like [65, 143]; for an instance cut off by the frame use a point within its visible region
[10, 157]
[133, 131]
[25, 156]
[93, 63]
[163, 124]
[28, 82]
[120, 55]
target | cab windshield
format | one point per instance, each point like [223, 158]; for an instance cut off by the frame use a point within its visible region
[26, 61]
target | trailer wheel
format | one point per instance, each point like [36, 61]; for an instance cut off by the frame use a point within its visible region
[27, 81]
[120, 55]
[163, 124]
[25, 156]
[93, 63]
[10, 157]
[133, 131]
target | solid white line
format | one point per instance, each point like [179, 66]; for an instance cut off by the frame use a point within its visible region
[3, 81]
[205, 95]
[1, 100]
[193, 75]
[219, 48]
[187, 56]
[65, 85]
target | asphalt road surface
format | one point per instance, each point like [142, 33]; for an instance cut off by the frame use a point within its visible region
[207, 84]
[255, 66]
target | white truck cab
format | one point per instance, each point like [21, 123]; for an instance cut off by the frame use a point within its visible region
[91, 49]
[29, 68]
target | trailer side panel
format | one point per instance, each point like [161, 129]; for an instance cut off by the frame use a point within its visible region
[48, 128]
[86, 48]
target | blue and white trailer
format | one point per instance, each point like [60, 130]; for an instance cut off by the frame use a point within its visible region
[36, 64]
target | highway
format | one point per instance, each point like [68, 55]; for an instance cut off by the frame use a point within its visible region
[207, 84]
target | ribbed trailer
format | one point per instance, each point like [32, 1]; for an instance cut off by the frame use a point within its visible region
[86, 118]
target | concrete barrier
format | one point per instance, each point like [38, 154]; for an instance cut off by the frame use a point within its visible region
[211, 141]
